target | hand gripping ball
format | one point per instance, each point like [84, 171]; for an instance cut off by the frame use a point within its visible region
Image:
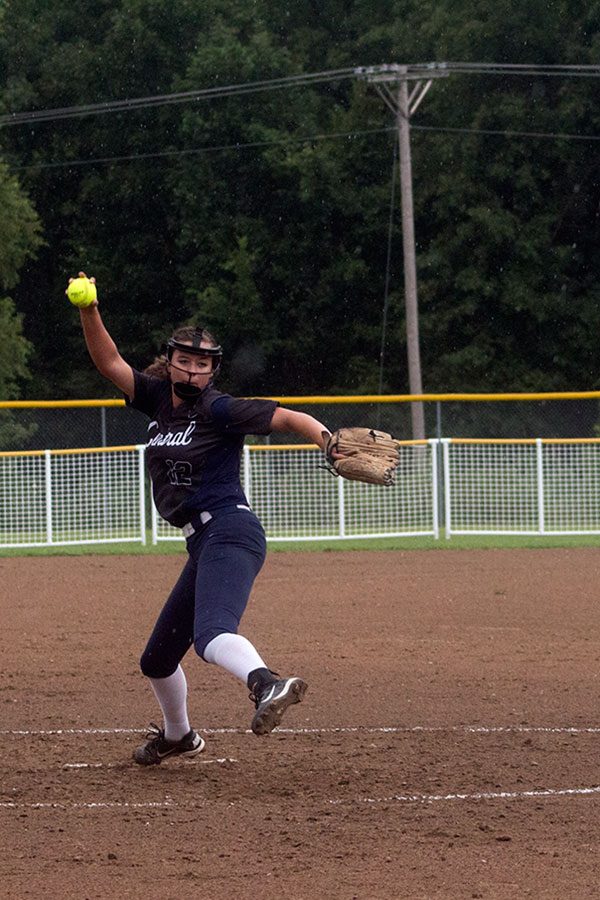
[81, 291]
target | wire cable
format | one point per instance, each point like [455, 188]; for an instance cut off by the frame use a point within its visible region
[70, 112]
[509, 134]
[336, 135]
[389, 71]
[571, 71]
[192, 151]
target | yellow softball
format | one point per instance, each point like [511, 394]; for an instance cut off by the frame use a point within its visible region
[81, 292]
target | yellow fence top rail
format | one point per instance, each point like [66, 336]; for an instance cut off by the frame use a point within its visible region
[57, 404]
[444, 398]
[7, 454]
[482, 441]
[326, 399]
[255, 447]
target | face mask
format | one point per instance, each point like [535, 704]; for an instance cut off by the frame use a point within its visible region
[186, 391]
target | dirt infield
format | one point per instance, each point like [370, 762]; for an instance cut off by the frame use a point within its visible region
[448, 745]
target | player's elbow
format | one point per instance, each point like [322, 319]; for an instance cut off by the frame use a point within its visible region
[298, 423]
[119, 372]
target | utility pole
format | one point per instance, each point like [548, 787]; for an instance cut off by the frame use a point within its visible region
[403, 104]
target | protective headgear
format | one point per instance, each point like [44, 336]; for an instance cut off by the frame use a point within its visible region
[185, 390]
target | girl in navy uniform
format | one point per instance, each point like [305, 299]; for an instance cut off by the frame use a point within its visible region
[195, 439]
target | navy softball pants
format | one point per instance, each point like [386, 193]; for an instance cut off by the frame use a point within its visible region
[212, 592]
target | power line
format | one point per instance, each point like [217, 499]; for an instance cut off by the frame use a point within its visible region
[70, 112]
[192, 151]
[336, 135]
[509, 133]
[418, 70]
[550, 71]
[429, 70]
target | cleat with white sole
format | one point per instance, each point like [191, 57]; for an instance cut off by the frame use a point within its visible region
[158, 747]
[273, 701]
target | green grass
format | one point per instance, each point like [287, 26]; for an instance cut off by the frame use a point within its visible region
[459, 542]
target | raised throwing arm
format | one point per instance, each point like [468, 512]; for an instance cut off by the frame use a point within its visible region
[103, 349]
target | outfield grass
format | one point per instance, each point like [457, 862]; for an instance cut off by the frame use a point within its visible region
[458, 542]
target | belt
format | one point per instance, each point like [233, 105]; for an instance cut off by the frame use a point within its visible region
[203, 518]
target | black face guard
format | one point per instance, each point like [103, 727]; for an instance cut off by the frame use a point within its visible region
[185, 390]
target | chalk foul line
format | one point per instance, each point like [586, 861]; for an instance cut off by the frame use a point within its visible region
[371, 802]
[334, 729]
[223, 760]
[481, 795]
[78, 804]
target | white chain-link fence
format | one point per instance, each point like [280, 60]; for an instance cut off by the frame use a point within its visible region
[60, 497]
[297, 500]
[452, 486]
[521, 487]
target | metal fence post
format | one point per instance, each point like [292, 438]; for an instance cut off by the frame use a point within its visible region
[540, 485]
[434, 443]
[104, 463]
[247, 474]
[142, 489]
[48, 483]
[440, 471]
[446, 464]
[154, 523]
[341, 507]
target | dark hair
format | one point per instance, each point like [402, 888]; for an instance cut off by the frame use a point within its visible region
[158, 368]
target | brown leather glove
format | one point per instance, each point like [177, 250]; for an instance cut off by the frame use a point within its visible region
[362, 454]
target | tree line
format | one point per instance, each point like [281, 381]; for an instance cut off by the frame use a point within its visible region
[266, 215]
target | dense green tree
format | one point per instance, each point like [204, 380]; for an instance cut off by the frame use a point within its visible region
[19, 229]
[15, 350]
[278, 239]
[115, 221]
[19, 240]
[508, 274]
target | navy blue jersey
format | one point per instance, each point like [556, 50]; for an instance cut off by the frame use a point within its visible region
[193, 451]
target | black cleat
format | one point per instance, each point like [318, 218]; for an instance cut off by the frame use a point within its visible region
[159, 748]
[273, 701]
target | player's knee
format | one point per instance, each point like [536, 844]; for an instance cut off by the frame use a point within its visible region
[203, 640]
[153, 667]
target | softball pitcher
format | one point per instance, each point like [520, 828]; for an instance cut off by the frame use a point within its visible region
[195, 439]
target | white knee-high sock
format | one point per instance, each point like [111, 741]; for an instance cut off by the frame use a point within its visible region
[171, 694]
[234, 653]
